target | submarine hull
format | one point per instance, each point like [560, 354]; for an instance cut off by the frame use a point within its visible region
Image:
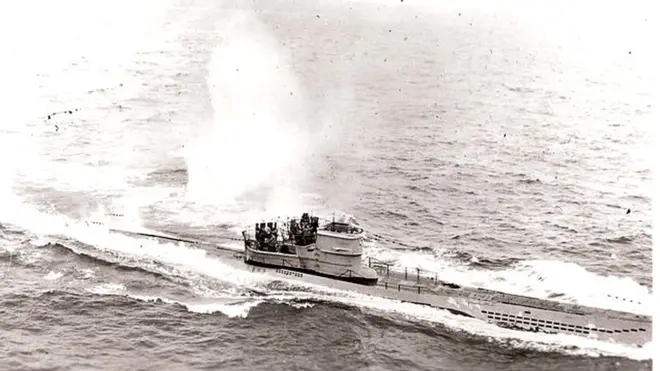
[506, 310]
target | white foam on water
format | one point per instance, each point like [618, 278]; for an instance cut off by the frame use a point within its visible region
[38, 242]
[88, 273]
[232, 308]
[52, 276]
[108, 288]
[301, 305]
[237, 309]
[229, 306]
[10, 247]
[612, 292]
[178, 255]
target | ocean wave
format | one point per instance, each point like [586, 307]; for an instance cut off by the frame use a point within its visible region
[493, 263]
[395, 215]
[628, 239]
[168, 175]
[530, 181]
[230, 306]
[122, 264]
[478, 262]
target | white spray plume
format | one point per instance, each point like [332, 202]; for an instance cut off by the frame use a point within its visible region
[258, 139]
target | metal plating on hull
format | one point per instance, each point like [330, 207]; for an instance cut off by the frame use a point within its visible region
[331, 256]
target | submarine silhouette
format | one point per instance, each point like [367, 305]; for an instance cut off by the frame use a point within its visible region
[331, 255]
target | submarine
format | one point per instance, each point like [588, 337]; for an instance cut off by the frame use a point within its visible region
[330, 255]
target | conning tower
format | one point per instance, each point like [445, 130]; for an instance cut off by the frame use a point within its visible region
[332, 250]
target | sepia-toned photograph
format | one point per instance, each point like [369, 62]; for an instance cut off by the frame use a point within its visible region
[447, 185]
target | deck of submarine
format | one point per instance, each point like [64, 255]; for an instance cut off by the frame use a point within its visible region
[428, 283]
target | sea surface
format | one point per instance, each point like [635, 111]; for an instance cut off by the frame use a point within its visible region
[504, 145]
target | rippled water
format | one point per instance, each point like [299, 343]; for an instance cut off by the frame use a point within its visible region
[484, 142]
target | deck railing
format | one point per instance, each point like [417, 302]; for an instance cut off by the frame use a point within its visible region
[417, 274]
[403, 287]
